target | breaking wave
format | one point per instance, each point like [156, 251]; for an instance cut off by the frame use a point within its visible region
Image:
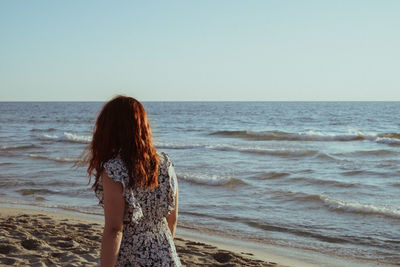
[364, 209]
[283, 152]
[19, 147]
[387, 138]
[347, 206]
[177, 146]
[69, 138]
[212, 180]
[56, 159]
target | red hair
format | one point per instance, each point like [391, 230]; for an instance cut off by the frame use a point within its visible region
[122, 129]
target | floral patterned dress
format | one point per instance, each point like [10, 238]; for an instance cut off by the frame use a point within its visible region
[146, 239]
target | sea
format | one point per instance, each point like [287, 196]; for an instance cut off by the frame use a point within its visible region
[320, 176]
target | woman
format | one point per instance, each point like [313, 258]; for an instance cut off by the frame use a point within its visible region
[136, 186]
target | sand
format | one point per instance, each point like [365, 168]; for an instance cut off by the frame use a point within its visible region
[43, 238]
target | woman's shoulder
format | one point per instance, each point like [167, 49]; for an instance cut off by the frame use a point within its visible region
[166, 167]
[165, 163]
[116, 169]
[165, 159]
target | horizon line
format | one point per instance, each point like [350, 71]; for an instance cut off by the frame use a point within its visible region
[194, 101]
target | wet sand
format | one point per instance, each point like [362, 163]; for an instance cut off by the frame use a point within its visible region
[43, 238]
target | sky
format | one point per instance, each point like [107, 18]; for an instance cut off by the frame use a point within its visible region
[208, 50]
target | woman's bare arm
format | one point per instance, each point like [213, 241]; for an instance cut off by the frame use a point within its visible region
[114, 205]
[172, 219]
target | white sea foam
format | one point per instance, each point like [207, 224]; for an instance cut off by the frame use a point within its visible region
[69, 137]
[282, 152]
[19, 147]
[50, 136]
[351, 135]
[177, 146]
[365, 209]
[77, 138]
[56, 159]
[211, 180]
[341, 205]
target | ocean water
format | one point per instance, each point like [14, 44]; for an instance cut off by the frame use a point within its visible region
[322, 176]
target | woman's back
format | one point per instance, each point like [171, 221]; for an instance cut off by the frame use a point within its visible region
[146, 240]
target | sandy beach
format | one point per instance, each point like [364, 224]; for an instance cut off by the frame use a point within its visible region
[43, 238]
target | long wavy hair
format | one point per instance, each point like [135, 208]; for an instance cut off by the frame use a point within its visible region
[122, 130]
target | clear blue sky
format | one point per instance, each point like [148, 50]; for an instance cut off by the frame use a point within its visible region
[200, 50]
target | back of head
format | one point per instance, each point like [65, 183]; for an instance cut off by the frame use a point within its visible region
[122, 129]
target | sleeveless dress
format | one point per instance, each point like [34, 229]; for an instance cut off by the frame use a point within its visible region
[146, 238]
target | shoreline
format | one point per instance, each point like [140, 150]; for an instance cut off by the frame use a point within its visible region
[194, 247]
[37, 237]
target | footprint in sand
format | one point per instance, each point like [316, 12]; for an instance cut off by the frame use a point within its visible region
[222, 257]
[32, 244]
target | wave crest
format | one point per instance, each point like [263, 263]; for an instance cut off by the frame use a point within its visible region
[364, 209]
[283, 152]
[177, 146]
[346, 206]
[69, 138]
[19, 147]
[212, 180]
[386, 138]
[56, 159]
